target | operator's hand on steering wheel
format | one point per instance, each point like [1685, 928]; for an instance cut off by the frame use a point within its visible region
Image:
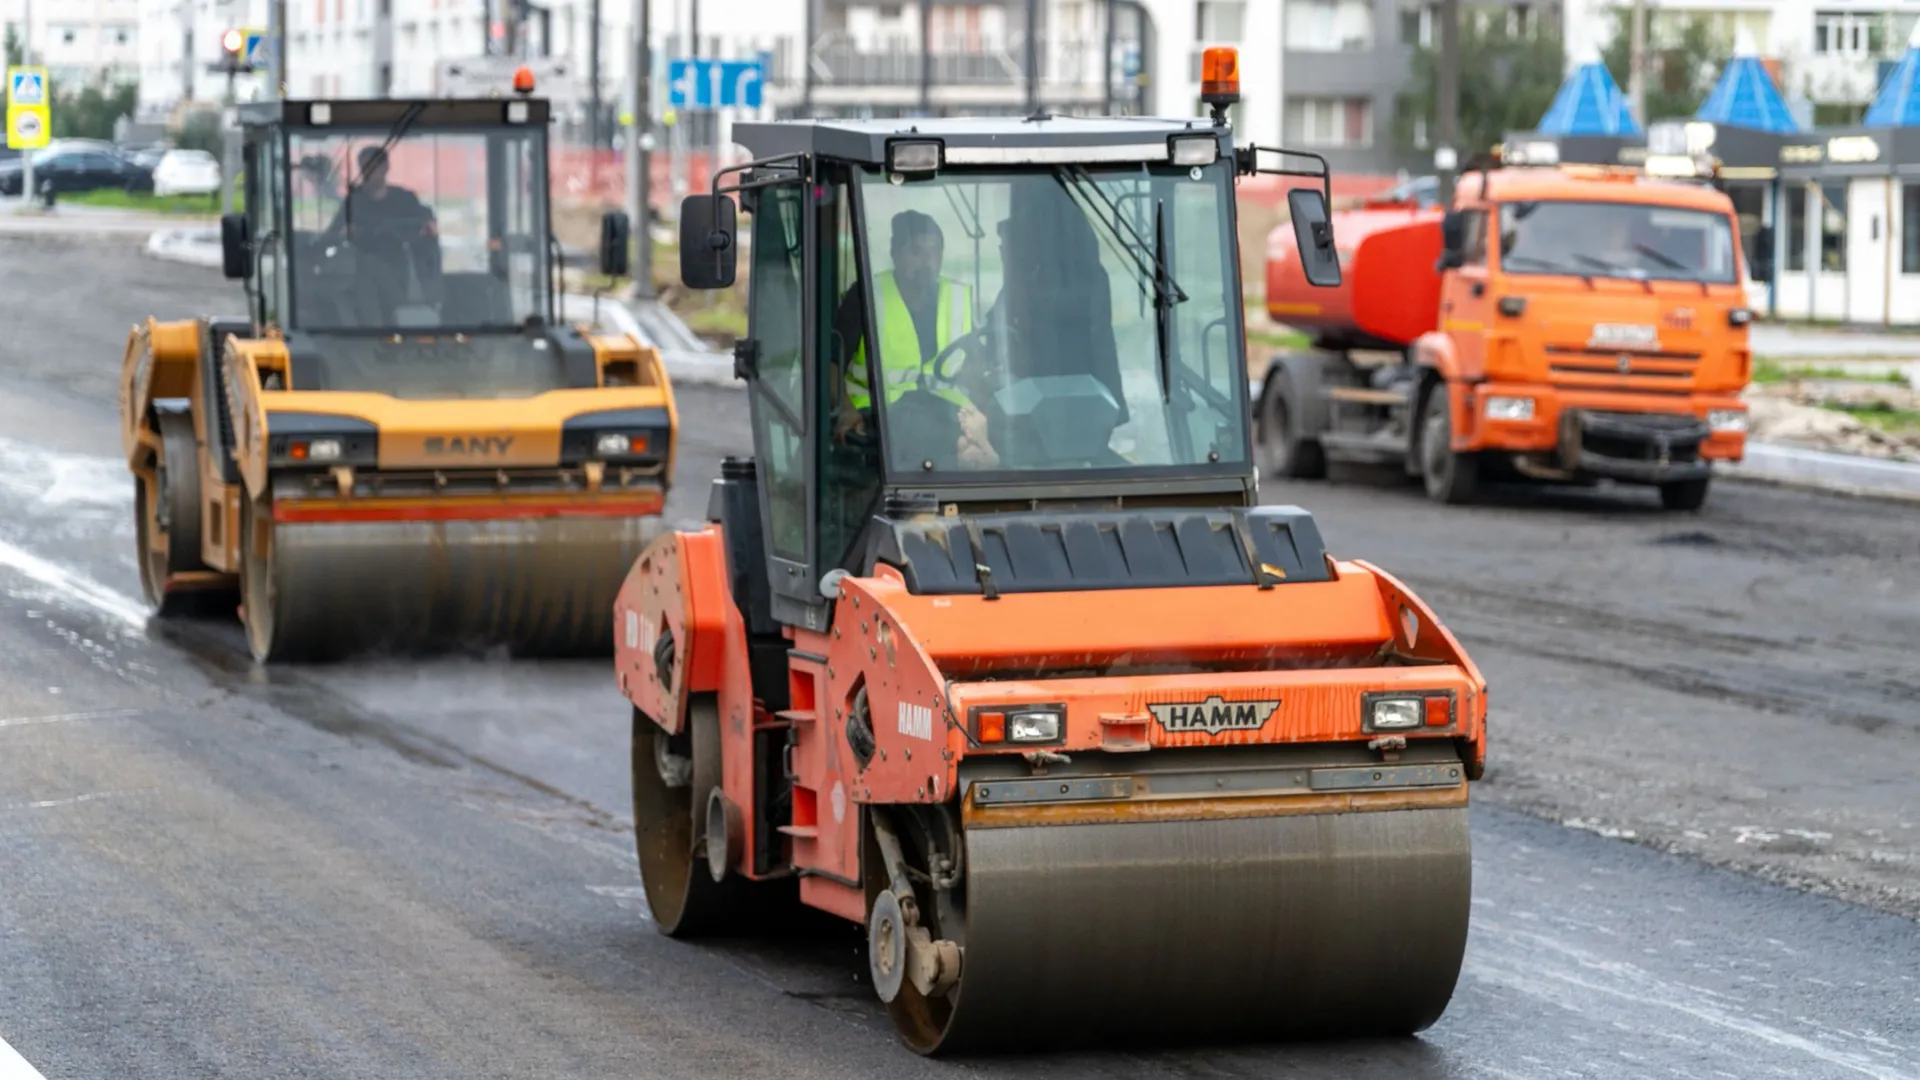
[973, 449]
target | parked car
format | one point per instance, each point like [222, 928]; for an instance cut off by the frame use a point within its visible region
[74, 167]
[186, 172]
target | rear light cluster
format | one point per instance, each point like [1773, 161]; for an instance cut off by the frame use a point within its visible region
[1024, 724]
[321, 450]
[1407, 711]
[620, 445]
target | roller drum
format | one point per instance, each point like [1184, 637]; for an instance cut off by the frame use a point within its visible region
[1310, 925]
[539, 586]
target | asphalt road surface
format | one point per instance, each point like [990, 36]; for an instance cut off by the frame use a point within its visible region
[426, 870]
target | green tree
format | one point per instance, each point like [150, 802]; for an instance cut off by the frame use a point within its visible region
[201, 130]
[91, 111]
[16, 55]
[1507, 80]
[1684, 57]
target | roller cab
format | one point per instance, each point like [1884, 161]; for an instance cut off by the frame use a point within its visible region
[398, 445]
[991, 648]
[1559, 324]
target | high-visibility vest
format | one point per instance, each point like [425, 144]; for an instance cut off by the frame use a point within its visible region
[900, 359]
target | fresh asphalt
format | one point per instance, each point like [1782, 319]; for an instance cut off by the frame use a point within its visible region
[425, 869]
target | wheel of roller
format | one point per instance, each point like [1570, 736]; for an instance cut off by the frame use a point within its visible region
[167, 519]
[673, 778]
[925, 835]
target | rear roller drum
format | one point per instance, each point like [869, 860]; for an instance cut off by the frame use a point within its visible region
[675, 779]
[167, 519]
[1238, 929]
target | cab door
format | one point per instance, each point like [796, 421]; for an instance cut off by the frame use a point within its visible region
[1465, 306]
[780, 383]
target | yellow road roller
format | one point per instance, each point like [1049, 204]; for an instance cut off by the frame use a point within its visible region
[399, 446]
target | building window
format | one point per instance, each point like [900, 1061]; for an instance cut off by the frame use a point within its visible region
[1335, 122]
[1849, 33]
[1329, 25]
[1833, 227]
[1910, 228]
[1222, 21]
[1797, 230]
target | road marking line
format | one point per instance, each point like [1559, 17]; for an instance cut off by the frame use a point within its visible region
[15, 1067]
[61, 718]
[71, 800]
[75, 585]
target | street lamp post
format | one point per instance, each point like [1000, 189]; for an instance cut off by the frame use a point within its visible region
[639, 159]
[1446, 157]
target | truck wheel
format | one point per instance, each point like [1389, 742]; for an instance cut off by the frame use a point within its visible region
[1685, 494]
[1282, 449]
[1450, 477]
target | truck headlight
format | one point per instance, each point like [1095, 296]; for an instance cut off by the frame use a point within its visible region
[1509, 408]
[1727, 419]
[1397, 714]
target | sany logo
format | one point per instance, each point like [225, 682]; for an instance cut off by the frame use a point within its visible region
[471, 446]
[916, 721]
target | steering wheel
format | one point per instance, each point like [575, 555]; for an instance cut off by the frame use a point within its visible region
[962, 343]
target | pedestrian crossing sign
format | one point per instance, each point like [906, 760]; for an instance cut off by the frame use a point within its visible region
[26, 86]
[29, 126]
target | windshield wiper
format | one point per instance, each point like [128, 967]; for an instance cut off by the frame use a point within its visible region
[1166, 291]
[1549, 266]
[399, 128]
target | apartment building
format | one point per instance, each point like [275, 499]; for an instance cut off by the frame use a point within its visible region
[78, 40]
[1833, 54]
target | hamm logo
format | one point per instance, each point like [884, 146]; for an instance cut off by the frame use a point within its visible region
[470, 446]
[1214, 715]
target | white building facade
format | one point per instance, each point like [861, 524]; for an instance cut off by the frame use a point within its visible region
[78, 41]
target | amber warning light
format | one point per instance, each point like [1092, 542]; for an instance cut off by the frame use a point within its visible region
[523, 80]
[1220, 75]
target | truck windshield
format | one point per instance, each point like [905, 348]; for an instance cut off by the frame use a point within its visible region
[1017, 322]
[443, 230]
[1627, 240]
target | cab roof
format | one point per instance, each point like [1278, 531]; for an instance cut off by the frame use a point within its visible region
[385, 112]
[1052, 139]
[1573, 182]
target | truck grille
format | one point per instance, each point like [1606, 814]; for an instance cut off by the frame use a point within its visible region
[1582, 368]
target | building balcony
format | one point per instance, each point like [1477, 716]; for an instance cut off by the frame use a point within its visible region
[888, 73]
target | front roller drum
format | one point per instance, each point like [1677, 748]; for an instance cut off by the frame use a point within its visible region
[1239, 929]
[536, 586]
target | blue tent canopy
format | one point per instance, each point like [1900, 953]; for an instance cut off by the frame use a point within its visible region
[1898, 102]
[1589, 103]
[1746, 97]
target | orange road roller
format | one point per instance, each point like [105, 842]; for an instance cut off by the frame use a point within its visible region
[399, 446]
[992, 649]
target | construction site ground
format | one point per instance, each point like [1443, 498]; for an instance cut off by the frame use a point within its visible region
[1697, 850]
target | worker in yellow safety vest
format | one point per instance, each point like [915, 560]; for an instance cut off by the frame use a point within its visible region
[920, 312]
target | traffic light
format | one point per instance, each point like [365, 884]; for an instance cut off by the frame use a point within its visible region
[231, 44]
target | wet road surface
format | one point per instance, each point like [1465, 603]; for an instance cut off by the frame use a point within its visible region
[426, 869]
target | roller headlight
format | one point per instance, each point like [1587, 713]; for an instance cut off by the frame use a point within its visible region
[1203, 150]
[1029, 724]
[620, 444]
[1033, 727]
[1397, 714]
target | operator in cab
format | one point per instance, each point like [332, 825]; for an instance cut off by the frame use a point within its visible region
[394, 234]
[921, 312]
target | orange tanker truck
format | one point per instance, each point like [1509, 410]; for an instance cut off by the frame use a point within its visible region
[1561, 324]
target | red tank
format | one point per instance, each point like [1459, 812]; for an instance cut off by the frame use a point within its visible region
[1389, 286]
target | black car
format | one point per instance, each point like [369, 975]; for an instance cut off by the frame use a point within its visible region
[77, 168]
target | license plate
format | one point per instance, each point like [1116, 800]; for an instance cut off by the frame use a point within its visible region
[1623, 335]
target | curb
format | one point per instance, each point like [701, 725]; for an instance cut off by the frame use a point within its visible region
[1821, 470]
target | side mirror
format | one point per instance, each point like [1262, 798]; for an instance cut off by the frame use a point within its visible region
[707, 251]
[1453, 231]
[1313, 233]
[616, 232]
[236, 244]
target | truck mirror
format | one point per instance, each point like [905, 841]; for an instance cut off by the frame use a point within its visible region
[1313, 234]
[707, 250]
[616, 232]
[1453, 231]
[235, 247]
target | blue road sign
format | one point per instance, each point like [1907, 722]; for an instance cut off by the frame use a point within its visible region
[257, 50]
[28, 87]
[716, 84]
